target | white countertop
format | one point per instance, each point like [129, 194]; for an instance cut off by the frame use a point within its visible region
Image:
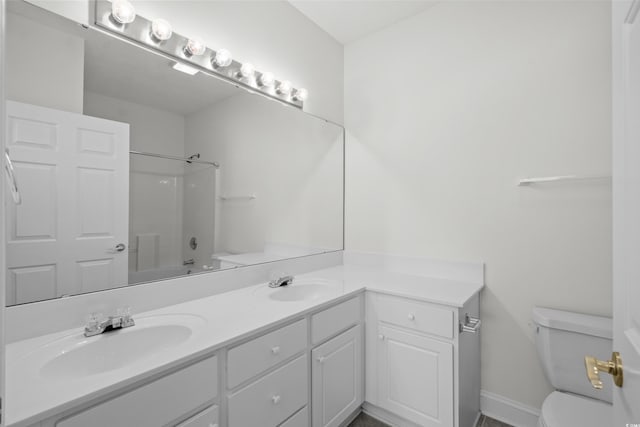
[226, 318]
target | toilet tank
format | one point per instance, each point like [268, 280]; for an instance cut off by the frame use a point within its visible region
[563, 339]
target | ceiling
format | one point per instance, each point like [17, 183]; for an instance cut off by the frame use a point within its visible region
[350, 20]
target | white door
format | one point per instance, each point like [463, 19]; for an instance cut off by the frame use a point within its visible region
[3, 191]
[336, 378]
[415, 377]
[73, 175]
[626, 201]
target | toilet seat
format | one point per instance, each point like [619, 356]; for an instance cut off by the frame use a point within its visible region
[569, 410]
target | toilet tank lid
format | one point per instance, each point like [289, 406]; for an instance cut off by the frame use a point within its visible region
[575, 322]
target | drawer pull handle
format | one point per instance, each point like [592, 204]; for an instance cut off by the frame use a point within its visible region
[381, 337]
[275, 350]
[411, 316]
[275, 399]
[471, 324]
[321, 359]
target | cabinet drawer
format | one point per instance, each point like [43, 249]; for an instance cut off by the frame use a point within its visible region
[300, 419]
[272, 399]
[335, 319]
[179, 393]
[206, 418]
[249, 359]
[415, 315]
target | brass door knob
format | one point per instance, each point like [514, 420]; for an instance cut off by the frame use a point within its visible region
[595, 366]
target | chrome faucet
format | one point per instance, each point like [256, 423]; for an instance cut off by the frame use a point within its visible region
[188, 262]
[281, 281]
[97, 324]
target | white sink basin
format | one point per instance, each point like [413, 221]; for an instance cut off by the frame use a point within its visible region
[298, 291]
[77, 356]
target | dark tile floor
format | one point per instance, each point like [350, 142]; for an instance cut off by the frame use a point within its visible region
[485, 421]
[364, 420]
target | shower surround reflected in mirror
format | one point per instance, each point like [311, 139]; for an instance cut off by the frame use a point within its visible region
[171, 204]
[232, 179]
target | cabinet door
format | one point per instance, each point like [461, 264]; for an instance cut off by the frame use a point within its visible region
[336, 378]
[206, 418]
[415, 377]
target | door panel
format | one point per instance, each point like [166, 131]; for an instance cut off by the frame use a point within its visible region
[415, 377]
[336, 378]
[73, 172]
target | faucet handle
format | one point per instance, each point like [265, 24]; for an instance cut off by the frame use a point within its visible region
[93, 321]
[127, 320]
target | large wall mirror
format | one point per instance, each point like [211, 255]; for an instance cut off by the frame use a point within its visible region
[131, 171]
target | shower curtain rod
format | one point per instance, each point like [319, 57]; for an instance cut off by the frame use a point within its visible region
[184, 159]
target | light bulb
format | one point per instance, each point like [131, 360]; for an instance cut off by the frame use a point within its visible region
[284, 88]
[161, 29]
[222, 58]
[247, 70]
[266, 79]
[123, 11]
[301, 94]
[195, 46]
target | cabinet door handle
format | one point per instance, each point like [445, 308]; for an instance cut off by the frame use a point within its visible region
[381, 337]
[275, 350]
[321, 359]
[411, 316]
[275, 399]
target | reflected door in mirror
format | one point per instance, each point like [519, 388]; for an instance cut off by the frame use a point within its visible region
[73, 173]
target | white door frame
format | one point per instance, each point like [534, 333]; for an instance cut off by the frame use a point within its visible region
[625, 27]
[2, 213]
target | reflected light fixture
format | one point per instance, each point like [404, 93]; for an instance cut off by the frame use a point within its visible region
[222, 58]
[301, 94]
[191, 55]
[179, 66]
[247, 70]
[266, 79]
[195, 46]
[284, 88]
[161, 30]
[123, 11]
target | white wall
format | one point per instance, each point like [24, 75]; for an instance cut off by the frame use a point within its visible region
[292, 162]
[44, 66]
[156, 186]
[445, 111]
[272, 35]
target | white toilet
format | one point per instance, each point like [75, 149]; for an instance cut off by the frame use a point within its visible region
[563, 339]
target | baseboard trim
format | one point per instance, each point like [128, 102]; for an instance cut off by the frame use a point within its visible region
[386, 416]
[508, 411]
[351, 417]
[475, 423]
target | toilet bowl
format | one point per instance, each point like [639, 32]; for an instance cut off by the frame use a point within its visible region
[563, 339]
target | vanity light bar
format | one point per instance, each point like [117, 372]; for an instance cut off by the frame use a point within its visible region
[120, 18]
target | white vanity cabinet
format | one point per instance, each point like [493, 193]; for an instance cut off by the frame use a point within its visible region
[421, 370]
[164, 402]
[336, 378]
[337, 385]
[268, 377]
